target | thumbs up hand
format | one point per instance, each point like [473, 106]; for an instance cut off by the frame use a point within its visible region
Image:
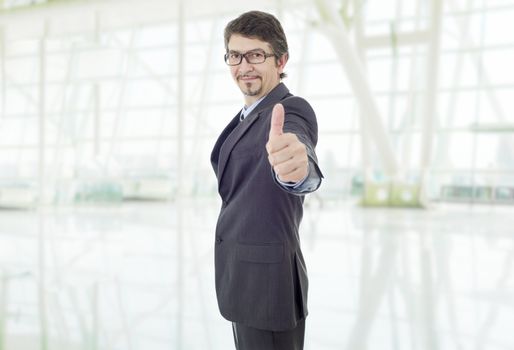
[286, 154]
[277, 120]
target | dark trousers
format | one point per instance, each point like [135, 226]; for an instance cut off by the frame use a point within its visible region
[248, 338]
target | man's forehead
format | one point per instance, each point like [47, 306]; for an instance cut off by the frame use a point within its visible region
[239, 42]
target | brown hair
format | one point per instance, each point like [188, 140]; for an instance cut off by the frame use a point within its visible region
[262, 26]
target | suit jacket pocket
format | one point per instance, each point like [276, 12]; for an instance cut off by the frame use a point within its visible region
[271, 253]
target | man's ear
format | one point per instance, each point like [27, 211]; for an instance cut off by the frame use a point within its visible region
[281, 62]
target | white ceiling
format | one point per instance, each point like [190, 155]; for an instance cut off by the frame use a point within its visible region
[63, 17]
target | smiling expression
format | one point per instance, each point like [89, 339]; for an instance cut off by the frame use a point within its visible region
[255, 80]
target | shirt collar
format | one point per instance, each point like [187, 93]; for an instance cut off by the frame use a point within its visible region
[247, 110]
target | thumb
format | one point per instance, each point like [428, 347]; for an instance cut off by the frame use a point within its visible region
[277, 120]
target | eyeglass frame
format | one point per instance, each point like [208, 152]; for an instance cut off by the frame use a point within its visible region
[244, 55]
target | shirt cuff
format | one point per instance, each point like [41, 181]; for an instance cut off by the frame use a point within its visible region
[294, 185]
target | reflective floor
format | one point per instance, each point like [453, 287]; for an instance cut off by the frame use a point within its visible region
[139, 276]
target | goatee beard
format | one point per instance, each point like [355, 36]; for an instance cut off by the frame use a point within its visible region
[247, 90]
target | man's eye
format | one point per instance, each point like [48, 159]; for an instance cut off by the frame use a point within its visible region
[256, 55]
[234, 55]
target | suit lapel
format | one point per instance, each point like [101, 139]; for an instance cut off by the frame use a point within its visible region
[231, 141]
[278, 93]
[215, 155]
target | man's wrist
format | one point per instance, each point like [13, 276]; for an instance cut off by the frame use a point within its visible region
[293, 184]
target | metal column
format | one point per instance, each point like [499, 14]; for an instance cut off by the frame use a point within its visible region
[431, 98]
[336, 32]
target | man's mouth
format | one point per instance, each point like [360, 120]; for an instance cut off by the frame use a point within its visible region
[248, 77]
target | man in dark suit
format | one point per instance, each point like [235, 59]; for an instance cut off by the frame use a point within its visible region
[265, 163]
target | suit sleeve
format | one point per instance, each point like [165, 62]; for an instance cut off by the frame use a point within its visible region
[300, 120]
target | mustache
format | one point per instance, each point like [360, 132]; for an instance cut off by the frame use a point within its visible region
[247, 75]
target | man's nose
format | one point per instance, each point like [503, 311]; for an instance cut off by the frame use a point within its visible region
[245, 66]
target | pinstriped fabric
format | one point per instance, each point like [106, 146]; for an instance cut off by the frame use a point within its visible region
[248, 338]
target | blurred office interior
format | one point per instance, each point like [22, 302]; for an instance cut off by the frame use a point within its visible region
[108, 113]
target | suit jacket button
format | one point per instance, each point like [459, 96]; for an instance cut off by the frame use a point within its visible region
[218, 239]
[224, 203]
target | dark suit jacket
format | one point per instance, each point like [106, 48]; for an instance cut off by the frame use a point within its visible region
[261, 279]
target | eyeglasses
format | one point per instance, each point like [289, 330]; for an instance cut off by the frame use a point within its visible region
[234, 58]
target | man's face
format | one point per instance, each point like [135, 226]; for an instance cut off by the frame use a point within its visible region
[255, 80]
